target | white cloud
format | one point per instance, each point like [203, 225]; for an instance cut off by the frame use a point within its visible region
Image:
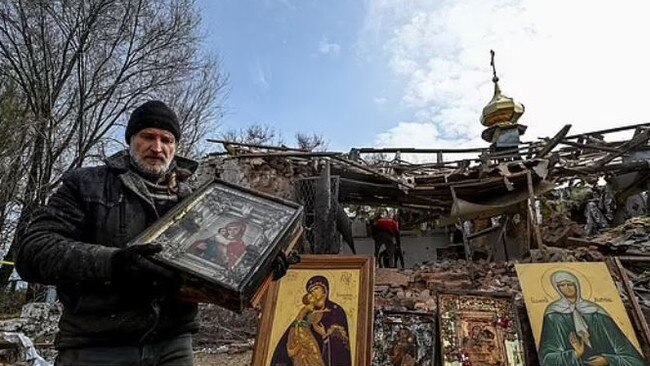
[566, 64]
[410, 134]
[380, 100]
[328, 48]
[423, 135]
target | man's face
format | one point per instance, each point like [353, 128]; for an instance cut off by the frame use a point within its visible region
[567, 289]
[153, 150]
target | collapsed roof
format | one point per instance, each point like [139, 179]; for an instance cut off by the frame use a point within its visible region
[485, 182]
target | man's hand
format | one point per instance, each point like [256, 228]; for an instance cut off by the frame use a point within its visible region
[131, 265]
[577, 344]
[597, 361]
[280, 266]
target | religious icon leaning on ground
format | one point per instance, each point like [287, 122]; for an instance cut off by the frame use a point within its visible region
[319, 335]
[479, 329]
[404, 338]
[578, 325]
[318, 314]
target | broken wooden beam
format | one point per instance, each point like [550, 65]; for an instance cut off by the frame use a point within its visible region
[639, 319]
[414, 150]
[553, 142]
[609, 130]
[483, 232]
[533, 219]
[590, 147]
[636, 141]
[372, 171]
[290, 154]
[256, 146]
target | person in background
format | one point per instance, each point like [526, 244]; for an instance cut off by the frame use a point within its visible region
[384, 231]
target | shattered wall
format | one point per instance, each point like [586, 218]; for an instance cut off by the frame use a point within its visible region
[274, 176]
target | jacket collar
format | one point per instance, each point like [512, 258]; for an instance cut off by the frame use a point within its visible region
[120, 162]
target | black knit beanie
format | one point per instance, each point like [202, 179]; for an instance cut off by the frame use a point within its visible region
[152, 114]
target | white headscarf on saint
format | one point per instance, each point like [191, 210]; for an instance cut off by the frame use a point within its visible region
[577, 308]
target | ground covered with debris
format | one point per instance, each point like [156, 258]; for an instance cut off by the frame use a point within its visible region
[223, 359]
[577, 223]
[227, 338]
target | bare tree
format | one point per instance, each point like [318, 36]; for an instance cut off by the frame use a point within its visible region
[259, 134]
[313, 142]
[14, 127]
[198, 102]
[376, 159]
[80, 65]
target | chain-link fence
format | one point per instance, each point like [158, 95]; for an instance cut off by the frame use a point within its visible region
[320, 208]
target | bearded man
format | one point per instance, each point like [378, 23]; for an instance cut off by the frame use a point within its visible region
[119, 308]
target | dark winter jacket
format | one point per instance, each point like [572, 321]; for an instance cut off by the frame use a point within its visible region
[69, 243]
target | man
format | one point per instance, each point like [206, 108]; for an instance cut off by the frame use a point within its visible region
[119, 307]
[383, 232]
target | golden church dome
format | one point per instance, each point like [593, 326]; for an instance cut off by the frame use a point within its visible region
[501, 110]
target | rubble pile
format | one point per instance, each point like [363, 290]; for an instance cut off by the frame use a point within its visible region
[36, 326]
[415, 289]
[586, 253]
[395, 289]
[557, 228]
[632, 237]
[43, 320]
[222, 331]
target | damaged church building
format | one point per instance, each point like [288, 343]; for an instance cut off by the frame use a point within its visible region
[471, 221]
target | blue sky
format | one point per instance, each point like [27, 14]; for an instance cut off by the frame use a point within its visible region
[416, 72]
[299, 67]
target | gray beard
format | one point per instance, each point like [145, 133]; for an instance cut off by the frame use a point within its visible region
[145, 168]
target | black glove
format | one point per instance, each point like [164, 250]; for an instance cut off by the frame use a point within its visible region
[281, 264]
[131, 265]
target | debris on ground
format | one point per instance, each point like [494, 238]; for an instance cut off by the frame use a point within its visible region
[223, 331]
[17, 349]
[630, 238]
[557, 228]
